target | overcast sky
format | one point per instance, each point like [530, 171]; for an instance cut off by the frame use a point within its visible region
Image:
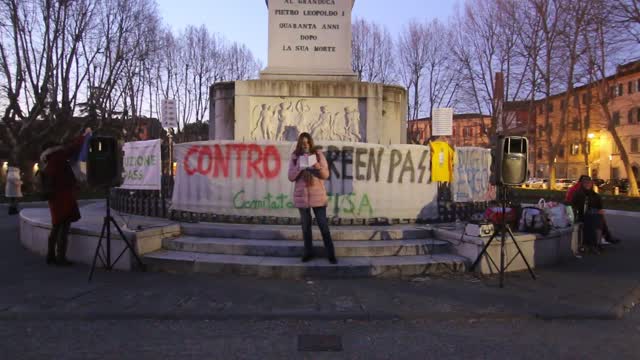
[245, 21]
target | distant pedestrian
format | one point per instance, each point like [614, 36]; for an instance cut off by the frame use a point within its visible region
[63, 205]
[308, 169]
[13, 189]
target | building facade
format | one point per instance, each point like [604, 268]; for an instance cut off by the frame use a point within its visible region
[468, 130]
[580, 129]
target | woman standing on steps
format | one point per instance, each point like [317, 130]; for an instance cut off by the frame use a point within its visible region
[308, 169]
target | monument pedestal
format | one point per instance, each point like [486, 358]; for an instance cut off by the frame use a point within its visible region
[330, 110]
[274, 73]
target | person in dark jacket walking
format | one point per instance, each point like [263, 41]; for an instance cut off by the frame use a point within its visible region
[63, 205]
[587, 205]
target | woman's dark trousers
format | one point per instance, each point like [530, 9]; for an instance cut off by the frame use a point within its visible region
[323, 224]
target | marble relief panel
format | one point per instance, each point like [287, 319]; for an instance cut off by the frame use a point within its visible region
[283, 119]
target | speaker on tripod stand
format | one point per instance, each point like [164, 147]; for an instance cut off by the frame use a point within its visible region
[509, 168]
[104, 171]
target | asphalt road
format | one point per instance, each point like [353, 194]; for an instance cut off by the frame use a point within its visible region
[241, 339]
[360, 340]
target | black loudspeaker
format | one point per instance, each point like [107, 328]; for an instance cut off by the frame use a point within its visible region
[104, 162]
[510, 160]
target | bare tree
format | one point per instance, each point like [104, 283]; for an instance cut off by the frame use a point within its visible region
[412, 49]
[30, 39]
[372, 52]
[442, 75]
[626, 13]
[488, 44]
[573, 16]
[240, 63]
[549, 12]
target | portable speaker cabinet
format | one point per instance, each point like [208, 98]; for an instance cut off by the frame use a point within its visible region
[104, 162]
[512, 160]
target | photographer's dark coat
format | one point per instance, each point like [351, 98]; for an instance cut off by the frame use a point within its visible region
[55, 164]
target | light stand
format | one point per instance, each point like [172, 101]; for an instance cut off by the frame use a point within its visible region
[105, 234]
[503, 229]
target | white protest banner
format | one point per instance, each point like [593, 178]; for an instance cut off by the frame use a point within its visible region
[142, 165]
[250, 179]
[471, 170]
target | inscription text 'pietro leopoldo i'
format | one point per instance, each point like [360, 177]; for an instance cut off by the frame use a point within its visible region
[310, 37]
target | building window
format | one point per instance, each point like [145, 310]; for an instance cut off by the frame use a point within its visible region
[630, 87]
[539, 153]
[550, 107]
[561, 152]
[616, 118]
[620, 89]
[634, 115]
[587, 148]
[563, 104]
[587, 122]
[638, 85]
[586, 98]
[634, 145]
[467, 132]
[575, 124]
[540, 130]
[575, 149]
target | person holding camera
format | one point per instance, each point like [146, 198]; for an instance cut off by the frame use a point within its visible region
[308, 169]
[61, 195]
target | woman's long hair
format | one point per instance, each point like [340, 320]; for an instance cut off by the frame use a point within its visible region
[300, 149]
[307, 176]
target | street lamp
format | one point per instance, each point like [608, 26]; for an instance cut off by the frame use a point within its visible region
[591, 136]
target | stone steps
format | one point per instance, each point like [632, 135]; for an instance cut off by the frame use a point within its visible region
[295, 248]
[293, 268]
[293, 232]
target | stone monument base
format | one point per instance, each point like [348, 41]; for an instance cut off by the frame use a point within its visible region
[327, 75]
[330, 110]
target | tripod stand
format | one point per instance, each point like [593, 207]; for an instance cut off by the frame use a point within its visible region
[105, 234]
[503, 229]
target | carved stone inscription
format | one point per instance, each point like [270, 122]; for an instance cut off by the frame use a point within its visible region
[310, 35]
[284, 119]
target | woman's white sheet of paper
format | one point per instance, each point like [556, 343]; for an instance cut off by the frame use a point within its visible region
[307, 161]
